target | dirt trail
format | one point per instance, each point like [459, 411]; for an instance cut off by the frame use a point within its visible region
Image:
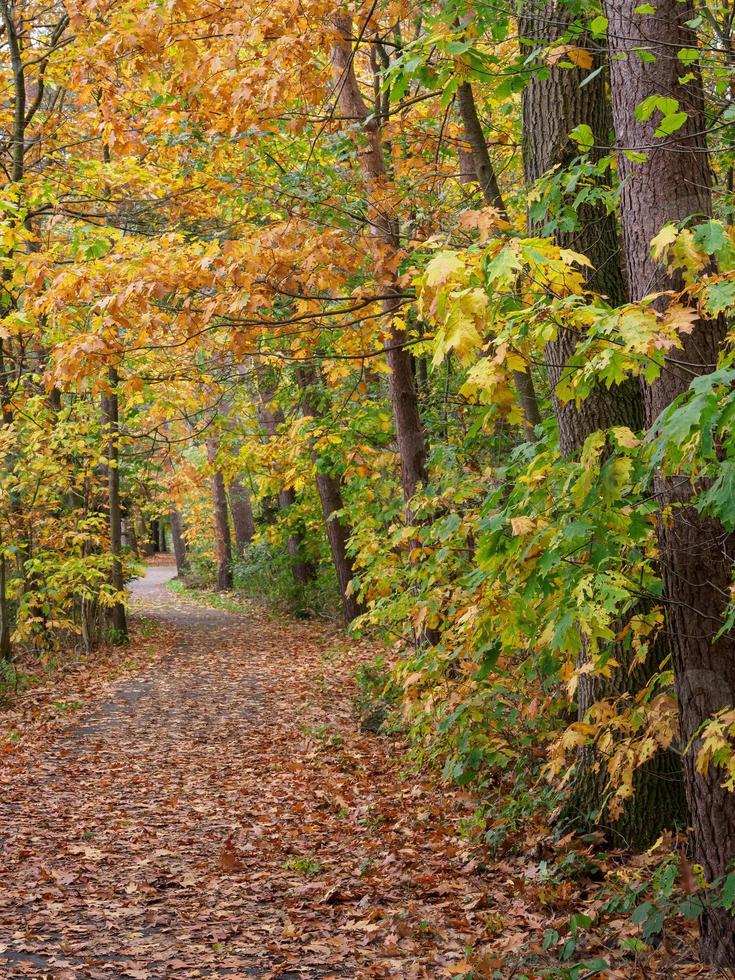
[218, 814]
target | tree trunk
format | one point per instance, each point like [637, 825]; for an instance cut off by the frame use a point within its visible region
[141, 533]
[6, 648]
[552, 107]
[132, 536]
[412, 449]
[110, 407]
[330, 496]
[384, 229]
[222, 541]
[484, 170]
[671, 183]
[302, 569]
[243, 523]
[179, 542]
[488, 182]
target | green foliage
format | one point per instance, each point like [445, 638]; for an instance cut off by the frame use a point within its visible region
[306, 865]
[264, 571]
[378, 696]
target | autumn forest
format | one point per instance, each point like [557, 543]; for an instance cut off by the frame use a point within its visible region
[367, 489]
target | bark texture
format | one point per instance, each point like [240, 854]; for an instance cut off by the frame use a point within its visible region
[672, 183]
[552, 107]
[484, 169]
[412, 448]
[243, 523]
[222, 539]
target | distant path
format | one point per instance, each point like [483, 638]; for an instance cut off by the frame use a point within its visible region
[219, 814]
[153, 583]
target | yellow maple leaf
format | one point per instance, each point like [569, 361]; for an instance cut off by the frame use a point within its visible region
[442, 267]
[660, 244]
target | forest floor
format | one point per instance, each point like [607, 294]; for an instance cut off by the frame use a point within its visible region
[205, 804]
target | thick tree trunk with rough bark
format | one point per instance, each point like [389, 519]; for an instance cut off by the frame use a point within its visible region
[110, 408]
[672, 183]
[330, 496]
[243, 523]
[222, 540]
[552, 107]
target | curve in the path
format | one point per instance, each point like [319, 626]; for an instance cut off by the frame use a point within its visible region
[110, 838]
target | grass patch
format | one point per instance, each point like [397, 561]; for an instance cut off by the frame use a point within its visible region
[230, 602]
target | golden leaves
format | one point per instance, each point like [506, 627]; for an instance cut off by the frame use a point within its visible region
[571, 53]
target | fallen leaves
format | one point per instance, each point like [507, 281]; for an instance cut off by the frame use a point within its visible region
[219, 813]
[228, 859]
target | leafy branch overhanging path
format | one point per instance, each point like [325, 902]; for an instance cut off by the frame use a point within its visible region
[218, 813]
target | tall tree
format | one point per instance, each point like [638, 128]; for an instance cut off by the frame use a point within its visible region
[554, 103]
[111, 415]
[271, 417]
[668, 179]
[243, 523]
[222, 537]
[384, 228]
[181, 552]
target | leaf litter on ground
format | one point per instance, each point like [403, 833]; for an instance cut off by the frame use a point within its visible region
[211, 808]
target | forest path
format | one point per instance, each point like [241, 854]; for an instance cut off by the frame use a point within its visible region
[217, 813]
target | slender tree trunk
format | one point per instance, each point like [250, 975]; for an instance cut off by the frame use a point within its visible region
[302, 569]
[243, 523]
[484, 169]
[330, 496]
[181, 552]
[384, 228]
[222, 540]
[179, 542]
[6, 648]
[17, 155]
[412, 449]
[492, 196]
[142, 533]
[132, 535]
[553, 105]
[671, 183]
[118, 618]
